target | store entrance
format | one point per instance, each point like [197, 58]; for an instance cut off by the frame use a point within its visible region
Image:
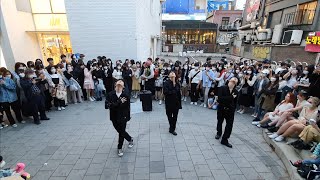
[54, 45]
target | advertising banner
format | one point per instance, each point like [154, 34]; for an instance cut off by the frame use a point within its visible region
[313, 42]
[177, 6]
[252, 8]
[214, 5]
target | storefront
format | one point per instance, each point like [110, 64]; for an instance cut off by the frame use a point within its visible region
[51, 27]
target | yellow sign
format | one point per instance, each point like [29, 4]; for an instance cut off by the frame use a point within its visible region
[260, 52]
[51, 22]
[314, 40]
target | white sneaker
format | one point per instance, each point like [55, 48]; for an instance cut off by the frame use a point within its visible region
[205, 106]
[94, 99]
[259, 125]
[279, 138]
[196, 103]
[255, 123]
[59, 108]
[120, 152]
[4, 125]
[160, 102]
[185, 99]
[191, 103]
[130, 144]
[239, 111]
[91, 99]
[63, 108]
[274, 135]
[23, 122]
[242, 112]
[253, 115]
[201, 104]
[1, 127]
[182, 98]
[14, 125]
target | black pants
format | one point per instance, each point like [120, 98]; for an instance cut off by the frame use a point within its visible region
[194, 94]
[16, 107]
[172, 115]
[37, 104]
[228, 115]
[121, 129]
[48, 100]
[58, 102]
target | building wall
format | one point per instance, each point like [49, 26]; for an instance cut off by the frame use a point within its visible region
[17, 45]
[118, 29]
[148, 20]
[217, 16]
[99, 27]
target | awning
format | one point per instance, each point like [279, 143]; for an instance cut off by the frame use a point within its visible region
[48, 32]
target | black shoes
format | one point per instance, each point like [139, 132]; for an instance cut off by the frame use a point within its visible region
[45, 119]
[218, 136]
[226, 143]
[37, 122]
[174, 133]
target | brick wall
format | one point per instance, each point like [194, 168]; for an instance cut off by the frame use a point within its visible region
[296, 53]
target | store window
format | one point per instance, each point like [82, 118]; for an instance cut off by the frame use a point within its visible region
[225, 21]
[306, 13]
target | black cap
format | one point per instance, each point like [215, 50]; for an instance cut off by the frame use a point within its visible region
[266, 61]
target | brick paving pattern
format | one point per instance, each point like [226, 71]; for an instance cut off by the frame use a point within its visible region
[80, 143]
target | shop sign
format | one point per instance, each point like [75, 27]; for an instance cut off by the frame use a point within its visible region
[313, 42]
[51, 22]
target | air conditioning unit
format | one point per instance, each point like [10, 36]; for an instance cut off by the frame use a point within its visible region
[277, 34]
[292, 37]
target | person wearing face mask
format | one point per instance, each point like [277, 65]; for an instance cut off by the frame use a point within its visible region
[34, 97]
[117, 73]
[185, 81]
[9, 98]
[107, 76]
[74, 90]
[303, 81]
[158, 75]
[30, 65]
[127, 78]
[135, 81]
[227, 98]
[56, 86]
[260, 84]
[246, 91]
[195, 77]
[119, 104]
[97, 75]
[63, 62]
[208, 77]
[292, 78]
[147, 76]
[171, 90]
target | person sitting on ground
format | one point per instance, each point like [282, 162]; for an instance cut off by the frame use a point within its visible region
[286, 104]
[307, 116]
[315, 157]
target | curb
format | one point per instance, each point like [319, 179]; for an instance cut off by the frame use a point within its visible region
[285, 153]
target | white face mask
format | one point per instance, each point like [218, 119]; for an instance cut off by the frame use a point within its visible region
[118, 67]
[237, 71]
[214, 69]
[202, 68]
[220, 68]
[30, 76]
[169, 68]
[53, 71]
[196, 67]
[21, 68]
[106, 67]
[22, 75]
[305, 72]
[273, 79]
[294, 72]
[249, 72]
[8, 76]
[207, 68]
[240, 75]
[69, 69]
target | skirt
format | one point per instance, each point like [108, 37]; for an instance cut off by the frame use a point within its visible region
[135, 84]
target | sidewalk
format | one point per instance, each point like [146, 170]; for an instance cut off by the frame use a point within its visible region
[80, 143]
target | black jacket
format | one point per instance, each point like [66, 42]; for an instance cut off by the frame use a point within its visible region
[172, 95]
[119, 112]
[226, 99]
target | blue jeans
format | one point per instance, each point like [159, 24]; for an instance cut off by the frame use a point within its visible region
[97, 92]
[311, 161]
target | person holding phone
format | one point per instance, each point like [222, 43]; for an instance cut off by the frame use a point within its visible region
[118, 102]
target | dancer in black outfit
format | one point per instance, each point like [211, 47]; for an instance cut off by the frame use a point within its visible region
[171, 90]
[227, 99]
[119, 104]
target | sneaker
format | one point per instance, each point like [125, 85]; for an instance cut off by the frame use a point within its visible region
[201, 104]
[130, 143]
[14, 125]
[23, 122]
[239, 111]
[94, 98]
[59, 108]
[91, 99]
[1, 127]
[196, 103]
[4, 125]
[120, 152]
[205, 106]
[160, 102]
[255, 123]
[63, 108]
[242, 112]
[185, 99]
[279, 138]
[259, 125]
[192, 103]
[274, 135]
[182, 98]
[253, 115]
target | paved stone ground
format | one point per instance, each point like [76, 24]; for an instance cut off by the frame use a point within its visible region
[80, 143]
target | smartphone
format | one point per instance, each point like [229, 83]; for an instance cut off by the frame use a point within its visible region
[312, 121]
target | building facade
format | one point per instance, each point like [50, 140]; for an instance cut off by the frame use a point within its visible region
[118, 29]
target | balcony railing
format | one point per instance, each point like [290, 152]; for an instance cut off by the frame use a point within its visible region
[300, 17]
[227, 28]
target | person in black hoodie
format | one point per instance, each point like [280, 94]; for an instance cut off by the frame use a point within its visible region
[127, 77]
[171, 90]
[97, 75]
[227, 99]
[107, 76]
[119, 104]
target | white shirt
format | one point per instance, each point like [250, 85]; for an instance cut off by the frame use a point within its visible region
[197, 78]
[291, 82]
[118, 94]
[260, 85]
[117, 74]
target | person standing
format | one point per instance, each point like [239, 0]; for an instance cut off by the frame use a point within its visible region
[195, 77]
[227, 99]
[171, 90]
[119, 104]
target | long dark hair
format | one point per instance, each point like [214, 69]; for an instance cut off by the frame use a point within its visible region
[89, 63]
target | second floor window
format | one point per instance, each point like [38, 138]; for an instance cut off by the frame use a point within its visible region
[225, 21]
